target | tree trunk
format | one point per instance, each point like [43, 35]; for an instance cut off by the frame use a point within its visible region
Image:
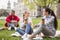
[58, 10]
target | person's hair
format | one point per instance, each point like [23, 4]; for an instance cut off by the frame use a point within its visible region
[27, 12]
[51, 12]
[13, 11]
[23, 16]
[26, 19]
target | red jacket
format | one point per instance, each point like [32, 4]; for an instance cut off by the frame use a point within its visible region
[10, 17]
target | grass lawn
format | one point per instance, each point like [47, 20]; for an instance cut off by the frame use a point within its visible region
[5, 34]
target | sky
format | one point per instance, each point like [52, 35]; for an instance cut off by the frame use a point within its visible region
[3, 3]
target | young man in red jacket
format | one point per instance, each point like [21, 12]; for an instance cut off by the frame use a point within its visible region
[12, 20]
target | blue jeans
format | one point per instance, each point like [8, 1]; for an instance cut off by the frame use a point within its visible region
[28, 30]
[12, 25]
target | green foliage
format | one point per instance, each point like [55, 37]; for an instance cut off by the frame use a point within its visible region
[30, 5]
[42, 3]
[45, 3]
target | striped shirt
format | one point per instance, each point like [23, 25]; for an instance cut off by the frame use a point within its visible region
[49, 22]
[49, 26]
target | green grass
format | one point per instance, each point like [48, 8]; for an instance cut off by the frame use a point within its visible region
[5, 34]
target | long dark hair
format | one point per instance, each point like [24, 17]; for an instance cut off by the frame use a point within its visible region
[51, 12]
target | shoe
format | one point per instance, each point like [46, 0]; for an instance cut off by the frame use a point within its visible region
[9, 28]
[38, 38]
[24, 36]
[26, 39]
[15, 28]
[16, 34]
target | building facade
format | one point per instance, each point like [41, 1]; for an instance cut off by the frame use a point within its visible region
[8, 6]
[20, 8]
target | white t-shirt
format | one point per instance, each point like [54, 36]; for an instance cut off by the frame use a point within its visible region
[22, 23]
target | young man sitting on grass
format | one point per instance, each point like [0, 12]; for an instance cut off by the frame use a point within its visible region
[12, 21]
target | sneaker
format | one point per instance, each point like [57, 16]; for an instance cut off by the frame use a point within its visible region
[9, 28]
[38, 38]
[15, 28]
[26, 39]
[16, 34]
[24, 36]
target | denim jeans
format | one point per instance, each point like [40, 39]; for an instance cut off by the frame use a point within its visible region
[28, 30]
[12, 25]
[45, 30]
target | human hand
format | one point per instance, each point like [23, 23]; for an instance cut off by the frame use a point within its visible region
[13, 21]
[43, 21]
[35, 25]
